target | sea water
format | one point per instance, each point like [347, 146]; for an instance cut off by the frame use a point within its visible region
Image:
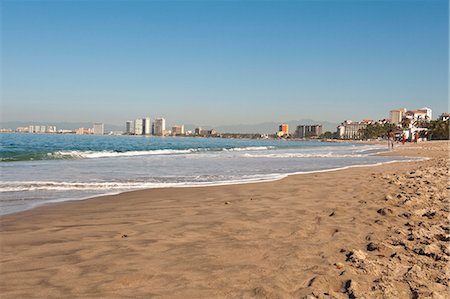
[41, 168]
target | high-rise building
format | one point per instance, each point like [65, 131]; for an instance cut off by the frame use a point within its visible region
[139, 126]
[159, 126]
[307, 131]
[98, 129]
[397, 115]
[283, 130]
[147, 126]
[178, 130]
[36, 129]
[129, 127]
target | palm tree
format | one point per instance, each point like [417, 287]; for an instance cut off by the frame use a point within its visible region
[438, 129]
[405, 123]
[420, 123]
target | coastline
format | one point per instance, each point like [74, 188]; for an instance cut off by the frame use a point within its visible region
[264, 239]
[273, 177]
[217, 184]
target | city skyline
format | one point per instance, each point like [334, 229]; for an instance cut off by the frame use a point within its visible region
[222, 63]
[144, 126]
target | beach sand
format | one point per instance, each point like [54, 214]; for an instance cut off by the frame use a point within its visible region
[365, 232]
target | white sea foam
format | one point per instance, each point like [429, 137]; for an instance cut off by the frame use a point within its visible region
[21, 186]
[18, 186]
[121, 167]
[27, 186]
[253, 148]
[107, 154]
[304, 155]
[109, 188]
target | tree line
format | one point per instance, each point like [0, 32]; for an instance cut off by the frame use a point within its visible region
[436, 129]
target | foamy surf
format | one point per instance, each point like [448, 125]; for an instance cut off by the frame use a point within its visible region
[110, 154]
[304, 155]
[20, 186]
[50, 168]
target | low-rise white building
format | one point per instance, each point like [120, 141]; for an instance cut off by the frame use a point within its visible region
[419, 114]
[444, 117]
[351, 130]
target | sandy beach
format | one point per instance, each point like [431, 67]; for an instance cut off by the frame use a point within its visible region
[364, 232]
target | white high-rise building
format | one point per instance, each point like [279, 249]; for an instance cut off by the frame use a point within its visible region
[99, 129]
[37, 129]
[139, 126]
[159, 126]
[147, 126]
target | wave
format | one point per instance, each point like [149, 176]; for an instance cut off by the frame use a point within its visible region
[27, 186]
[251, 148]
[325, 152]
[66, 186]
[107, 154]
[13, 205]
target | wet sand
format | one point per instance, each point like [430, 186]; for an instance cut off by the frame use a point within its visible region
[366, 232]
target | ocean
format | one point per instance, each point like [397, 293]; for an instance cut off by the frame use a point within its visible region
[37, 169]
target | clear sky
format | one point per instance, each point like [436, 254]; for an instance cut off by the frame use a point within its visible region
[222, 62]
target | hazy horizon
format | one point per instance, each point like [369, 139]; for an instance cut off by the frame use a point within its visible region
[222, 63]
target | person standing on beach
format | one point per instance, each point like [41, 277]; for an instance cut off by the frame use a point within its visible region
[391, 137]
[403, 138]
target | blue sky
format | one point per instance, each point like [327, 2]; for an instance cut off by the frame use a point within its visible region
[222, 62]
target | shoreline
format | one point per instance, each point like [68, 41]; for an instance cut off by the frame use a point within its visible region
[230, 183]
[367, 231]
